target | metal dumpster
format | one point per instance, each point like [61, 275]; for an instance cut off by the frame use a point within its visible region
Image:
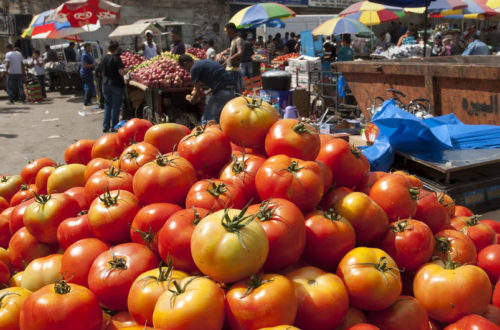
[468, 86]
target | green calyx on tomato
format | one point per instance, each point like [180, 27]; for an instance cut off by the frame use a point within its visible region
[113, 172]
[356, 152]
[381, 266]
[266, 210]
[472, 220]
[414, 193]
[197, 217]
[109, 200]
[4, 179]
[117, 262]
[254, 283]
[41, 199]
[61, 287]
[164, 273]
[238, 222]
[293, 167]
[131, 154]
[301, 128]
[443, 244]
[23, 187]
[256, 103]
[216, 189]
[146, 236]
[401, 226]
[162, 160]
[331, 215]
[82, 212]
[178, 290]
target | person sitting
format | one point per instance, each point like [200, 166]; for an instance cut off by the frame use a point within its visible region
[213, 75]
[345, 52]
[476, 47]
[382, 43]
[148, 47]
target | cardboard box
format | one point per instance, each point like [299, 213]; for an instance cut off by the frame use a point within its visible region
[278, 99]
[306, 65]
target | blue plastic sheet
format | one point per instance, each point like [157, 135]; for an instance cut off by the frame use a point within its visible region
[400, 130]
[341, 86]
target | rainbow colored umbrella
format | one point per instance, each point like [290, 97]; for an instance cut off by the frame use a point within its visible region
[367, 6]
[494, 4]
[473, 9]
[260, 14]
[439, 6]
[340, 25]
[36, 21]
[376, 17]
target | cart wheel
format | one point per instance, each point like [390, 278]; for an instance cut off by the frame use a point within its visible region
[318, 106]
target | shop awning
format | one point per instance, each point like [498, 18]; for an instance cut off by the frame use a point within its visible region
[133, 29]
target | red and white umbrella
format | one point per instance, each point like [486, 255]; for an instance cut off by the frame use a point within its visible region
[87, 14]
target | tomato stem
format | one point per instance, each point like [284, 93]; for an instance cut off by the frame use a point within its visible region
[41, 199]
[146, 236]
[414, 193]
[331, 215]
[254, 283]
[107, 199]
[162, 160]
[131, 154]
[356, 152]
[238, 222]
[294, 167]
[117, 262]
[61, 287]
[197, 217]
[217, 189]
[472, 220]
[301, 128]
[443, 244]
[267, 210]
[401, 226]
[4, 179]
[113, 172]
[23, 187]
[178, 289]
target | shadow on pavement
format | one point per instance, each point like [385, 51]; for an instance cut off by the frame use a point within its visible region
[75, 100]
[8, 136]
[14, 110]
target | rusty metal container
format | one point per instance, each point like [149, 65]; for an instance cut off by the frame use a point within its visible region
[468, 86]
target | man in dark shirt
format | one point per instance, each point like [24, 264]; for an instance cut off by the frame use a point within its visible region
[211, 74]
[87, 74]
[70, 53]
[113, 71]
[178, 46]
[246, 65]
[50, 55]
[290, 44]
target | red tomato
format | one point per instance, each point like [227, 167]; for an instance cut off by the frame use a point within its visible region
[4, 274]
[493, 224]
[23, 248]
[327, 177]
[492, 314]
[79, 152]
[241, 173]
[3, 204]
[4, 231]
[405, 313]
[65, 177]
[123, 320]
[449, 291]
[369, 180]
[285, 228]
[371, 277]
[9, 185]
[95, 165]
[473, 322]
[325, 138]
[363, 326]
[133, 131]
[489, 260]
[102, 180]
[295, 180]
[174, 238]
[409, 242]
[354, 316]
[25, 192]
[414, 181]
[113, 272]
[367, 218]
[137, 155]
[165, 136]
[448, 203]
[347, 163]
[207, 148]
[79, 257]
[166, 180]
[74, 229]
[43, 216]
[111, 214]
[148, 222]
[323, 300]
[246, 121]
[29, 172]
[329, 237]
[453, 245]
[42, 177]
[61, 306]
[496, 295]
[245, 299]
[107, 146]
[396, 196]
[78, 194]
[16, 217]
[292, 138]
[215, 195]
[432, 212]
[481, 234]
[332, 197]
[462, 211]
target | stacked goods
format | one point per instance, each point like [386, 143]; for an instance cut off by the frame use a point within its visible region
[161, 71]
[130, 60]
[286, 57]
[258, 223]
[198, 52]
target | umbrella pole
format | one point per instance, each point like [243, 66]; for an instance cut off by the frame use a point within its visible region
[425, 26]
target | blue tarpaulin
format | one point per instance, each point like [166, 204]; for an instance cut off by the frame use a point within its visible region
[400, 130]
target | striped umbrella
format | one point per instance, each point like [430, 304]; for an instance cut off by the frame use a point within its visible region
[36, 21]
[260, 14]
[367, 6]
[494, 4]
[376, 17]
[473, 9]
[340, 25]
[439, 6]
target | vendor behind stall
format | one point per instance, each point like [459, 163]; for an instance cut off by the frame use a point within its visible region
[149, 47]
[211, 74]
[345, 52]
[178, 46]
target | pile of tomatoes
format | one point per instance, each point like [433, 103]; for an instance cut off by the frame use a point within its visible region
[258, 222]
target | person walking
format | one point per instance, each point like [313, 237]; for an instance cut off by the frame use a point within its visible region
[15, 73]
[211, 74]
[113, 71]
[235, 55]
[87, 74]
[37, 64]
[149, 47]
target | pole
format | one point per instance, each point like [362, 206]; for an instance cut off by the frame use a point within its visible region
[425, 25]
